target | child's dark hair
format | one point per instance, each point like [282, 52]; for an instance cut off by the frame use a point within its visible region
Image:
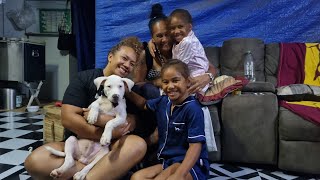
[132, 42]
[156, 15]
[182, 14]
[180, 66]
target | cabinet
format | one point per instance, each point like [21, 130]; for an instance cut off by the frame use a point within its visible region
[22, 60]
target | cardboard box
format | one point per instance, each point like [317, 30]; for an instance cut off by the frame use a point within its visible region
[52, 127]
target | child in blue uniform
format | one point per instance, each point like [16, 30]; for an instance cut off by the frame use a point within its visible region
[182, 143]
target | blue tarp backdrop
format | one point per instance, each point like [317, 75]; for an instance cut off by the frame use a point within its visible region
[213, 21]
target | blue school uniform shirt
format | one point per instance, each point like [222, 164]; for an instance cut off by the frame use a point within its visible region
[185, 125]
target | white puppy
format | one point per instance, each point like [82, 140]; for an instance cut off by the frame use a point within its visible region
[111, 101]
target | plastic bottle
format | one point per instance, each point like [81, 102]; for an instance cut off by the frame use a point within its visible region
[248, 63]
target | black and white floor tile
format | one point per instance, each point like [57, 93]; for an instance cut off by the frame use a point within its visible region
[21, 130]
[18, 132]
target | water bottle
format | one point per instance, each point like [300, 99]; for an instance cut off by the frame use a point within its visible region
[249, 67]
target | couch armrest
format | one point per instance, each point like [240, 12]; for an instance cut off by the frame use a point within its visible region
[259, 86]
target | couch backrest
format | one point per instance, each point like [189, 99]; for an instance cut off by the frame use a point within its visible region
[228, 59]
[213, 55]
[272, 56]
[232, 56]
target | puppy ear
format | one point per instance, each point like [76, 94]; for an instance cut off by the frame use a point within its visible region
[129, 83]
[99, 80]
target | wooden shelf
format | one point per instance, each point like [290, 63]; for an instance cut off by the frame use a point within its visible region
[42, 34]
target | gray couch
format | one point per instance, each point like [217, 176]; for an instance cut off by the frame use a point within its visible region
[251, 127]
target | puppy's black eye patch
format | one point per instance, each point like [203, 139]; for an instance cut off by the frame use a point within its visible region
[100, 90]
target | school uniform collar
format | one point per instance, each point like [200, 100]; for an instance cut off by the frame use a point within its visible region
[186, 101]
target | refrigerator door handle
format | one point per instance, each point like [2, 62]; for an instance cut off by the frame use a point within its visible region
[35, 53]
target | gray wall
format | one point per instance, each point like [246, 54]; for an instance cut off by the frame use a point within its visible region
[9, 30]
[59, 68]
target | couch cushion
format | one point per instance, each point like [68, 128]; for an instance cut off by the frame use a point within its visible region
[219, 90]
[249, 132]
[232, 54]
[272, 56]
[299, 156]
[294, 128]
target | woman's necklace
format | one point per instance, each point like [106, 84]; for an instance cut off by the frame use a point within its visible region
[159, 56]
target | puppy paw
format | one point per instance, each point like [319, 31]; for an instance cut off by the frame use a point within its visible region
[105, 140]
[92, 116]
[56, 173]
[79, 176]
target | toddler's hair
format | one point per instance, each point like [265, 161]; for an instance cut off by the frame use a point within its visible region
[156, 15]
[182, 14]
[180, 66]
[132, 42]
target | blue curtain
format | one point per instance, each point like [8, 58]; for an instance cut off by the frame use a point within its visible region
[214, 21]
[83, 23]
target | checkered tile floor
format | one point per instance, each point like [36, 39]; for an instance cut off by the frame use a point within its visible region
[19, 131]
